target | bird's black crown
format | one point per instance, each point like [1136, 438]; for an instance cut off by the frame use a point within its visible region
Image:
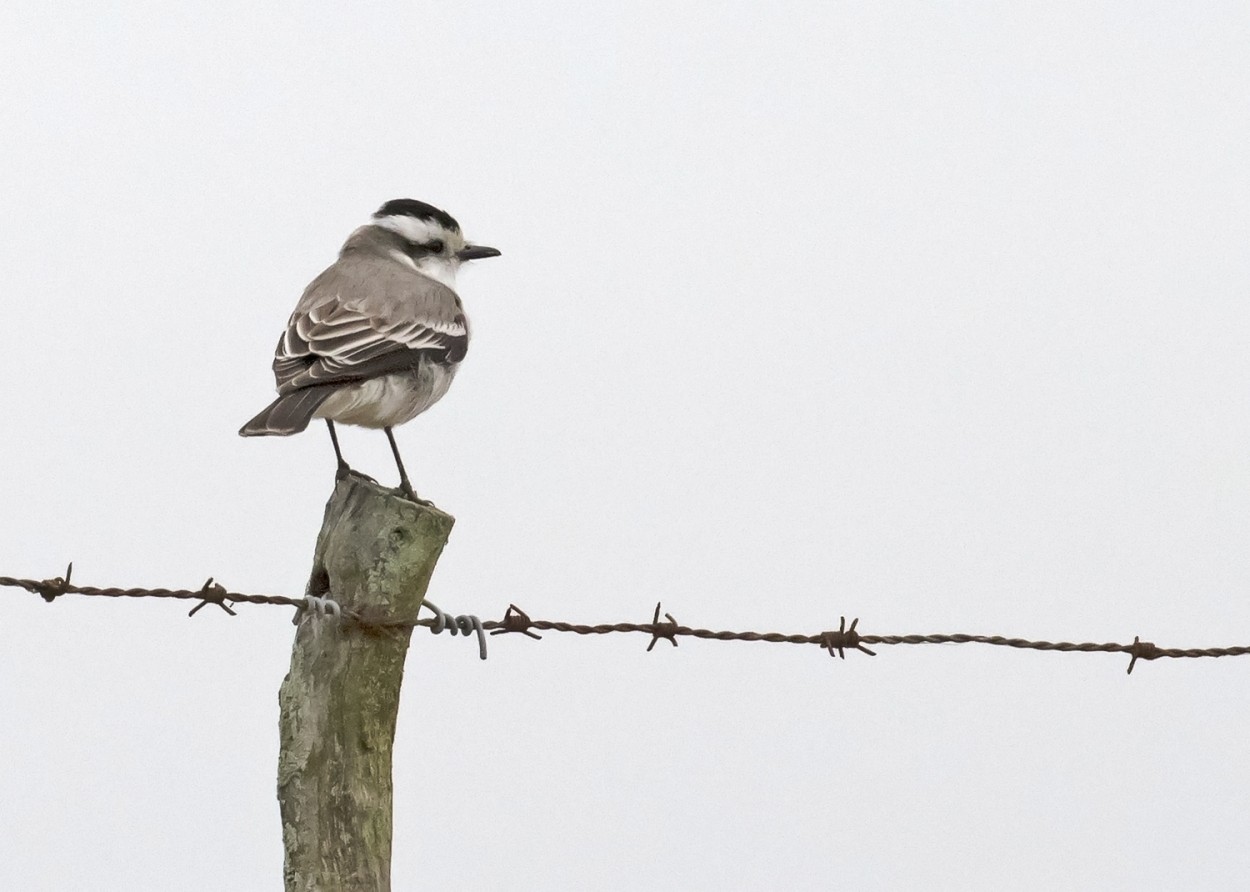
[410, 207]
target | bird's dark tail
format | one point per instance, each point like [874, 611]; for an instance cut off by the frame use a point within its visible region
[288, 414]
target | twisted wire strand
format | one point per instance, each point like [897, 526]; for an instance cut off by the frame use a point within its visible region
[515, 620]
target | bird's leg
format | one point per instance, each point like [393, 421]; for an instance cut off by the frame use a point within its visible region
[344, 468]
[404, 485]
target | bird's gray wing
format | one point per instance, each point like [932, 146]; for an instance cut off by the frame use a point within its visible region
[364, 317]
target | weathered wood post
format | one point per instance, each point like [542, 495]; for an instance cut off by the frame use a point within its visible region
[375, 555]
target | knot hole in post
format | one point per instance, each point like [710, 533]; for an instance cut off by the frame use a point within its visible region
[319, 582]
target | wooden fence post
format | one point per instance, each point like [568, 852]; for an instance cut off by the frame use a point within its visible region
[375, 555]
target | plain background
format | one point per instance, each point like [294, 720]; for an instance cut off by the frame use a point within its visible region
[931, 314]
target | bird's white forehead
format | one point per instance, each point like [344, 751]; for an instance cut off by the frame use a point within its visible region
[420, 231]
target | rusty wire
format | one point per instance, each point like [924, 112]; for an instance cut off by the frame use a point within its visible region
[515, 621]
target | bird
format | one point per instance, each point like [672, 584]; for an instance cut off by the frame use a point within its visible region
[376, 339]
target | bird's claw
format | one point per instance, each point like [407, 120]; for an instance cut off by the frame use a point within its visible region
[344, 472]
[405, 489]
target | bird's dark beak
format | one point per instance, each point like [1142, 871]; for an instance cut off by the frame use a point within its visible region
[476, 252]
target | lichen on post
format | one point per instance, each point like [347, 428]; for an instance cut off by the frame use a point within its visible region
[374, 556]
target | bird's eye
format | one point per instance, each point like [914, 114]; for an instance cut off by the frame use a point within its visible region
[435, 247]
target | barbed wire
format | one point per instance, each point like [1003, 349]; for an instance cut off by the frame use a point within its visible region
[516, 621]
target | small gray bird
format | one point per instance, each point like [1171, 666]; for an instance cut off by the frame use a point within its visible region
[377, 338]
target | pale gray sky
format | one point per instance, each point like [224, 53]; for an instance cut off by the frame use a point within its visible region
[932, 314]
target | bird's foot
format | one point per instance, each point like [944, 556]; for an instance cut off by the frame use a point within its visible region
[344, 471]
[405, 489]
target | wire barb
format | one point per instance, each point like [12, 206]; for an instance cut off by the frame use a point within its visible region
[1143, 650]
[843, 638]
[660, 630]
[516, 620]
[51, 589]
[214, 593]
